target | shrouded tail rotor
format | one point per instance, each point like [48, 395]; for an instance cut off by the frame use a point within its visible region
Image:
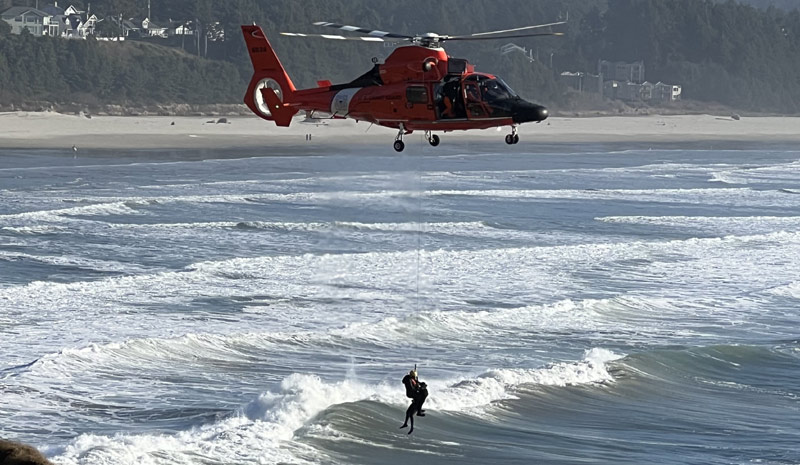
[271, 90]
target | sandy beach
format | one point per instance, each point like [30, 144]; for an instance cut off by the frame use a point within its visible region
[49, 130]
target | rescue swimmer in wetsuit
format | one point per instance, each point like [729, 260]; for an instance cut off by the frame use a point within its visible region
[418, 392]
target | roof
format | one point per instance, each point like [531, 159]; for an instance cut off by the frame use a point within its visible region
[53, 10]
[130, 24]
[15, 11]
[73, 21]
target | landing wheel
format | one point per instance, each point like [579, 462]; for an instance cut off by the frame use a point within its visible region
[512, 138]
[399, 145]
[434, 140]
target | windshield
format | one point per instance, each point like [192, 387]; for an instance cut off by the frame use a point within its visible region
[496, 89]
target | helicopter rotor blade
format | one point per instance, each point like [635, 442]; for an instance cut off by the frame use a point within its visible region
[515, 36]
[369, 32]
[337, 37]
[516, 29]
[429, 40]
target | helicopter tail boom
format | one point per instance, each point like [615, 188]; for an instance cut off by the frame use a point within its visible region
[271, 90]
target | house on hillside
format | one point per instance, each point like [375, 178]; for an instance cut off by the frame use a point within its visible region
[621, 71]
[130, 28]
[79, 27]
[625, 81]
[583, 82]
[666, 92]
[78, 24]
[37, 22]
[51, 21]
[126, 27]
[57, 18]
[151, 29]
[511, 48]
[631, 91]
[180, 28]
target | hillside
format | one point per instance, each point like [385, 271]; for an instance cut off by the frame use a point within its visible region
[721, 53]
[782, 4]
[91, 72]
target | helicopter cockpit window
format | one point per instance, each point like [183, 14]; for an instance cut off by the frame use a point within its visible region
[496, 89]
[417, 94]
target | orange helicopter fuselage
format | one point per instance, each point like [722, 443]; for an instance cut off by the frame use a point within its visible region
[416, 88]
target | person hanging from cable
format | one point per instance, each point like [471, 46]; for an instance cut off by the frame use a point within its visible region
[417, 391]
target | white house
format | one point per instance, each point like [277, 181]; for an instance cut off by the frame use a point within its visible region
[51, 21]
[78, 24]
[621, 71]
[153, 30]
[667, 92]
[37, 22]
[181, 28]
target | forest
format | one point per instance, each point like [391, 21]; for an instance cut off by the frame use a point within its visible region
[735, 54]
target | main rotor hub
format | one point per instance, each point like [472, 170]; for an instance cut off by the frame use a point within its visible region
[429, 39]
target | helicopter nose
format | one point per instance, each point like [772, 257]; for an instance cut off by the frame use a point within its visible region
[525, 112]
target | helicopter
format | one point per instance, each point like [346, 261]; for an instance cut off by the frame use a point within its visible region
[419, 87]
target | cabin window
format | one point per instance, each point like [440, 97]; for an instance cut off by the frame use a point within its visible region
[456, 66]
[417, 94]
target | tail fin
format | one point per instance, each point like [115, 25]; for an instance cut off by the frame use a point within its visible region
[271, 90]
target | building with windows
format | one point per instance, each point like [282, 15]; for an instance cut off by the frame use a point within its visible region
[583, 82]
[37, 22]
[50, 21]
[666, 92]
[621, 71]
[626, 82]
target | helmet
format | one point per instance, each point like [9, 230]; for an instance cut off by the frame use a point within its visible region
[413, 374]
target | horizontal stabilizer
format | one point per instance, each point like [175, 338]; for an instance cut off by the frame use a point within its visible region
[281, 113]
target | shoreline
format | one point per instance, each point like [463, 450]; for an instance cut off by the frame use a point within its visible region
[48, 130]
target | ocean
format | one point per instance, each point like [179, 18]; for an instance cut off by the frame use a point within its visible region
[566, 303]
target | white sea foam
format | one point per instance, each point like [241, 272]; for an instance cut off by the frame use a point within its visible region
[507, 326]
[98, 209]
[499, 384]
[412, 227]
[772, 174]
[364, 282]
[304, 396]
[36, 230]
[725, 196]
[264, 430]
[452, 328]
[75, 261]
[136, 204]
[740, 225]
[236, 438]
[791, 290]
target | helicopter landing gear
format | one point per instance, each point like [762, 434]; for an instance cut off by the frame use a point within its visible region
[399, 145]
[433, 139]
[512, 138]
